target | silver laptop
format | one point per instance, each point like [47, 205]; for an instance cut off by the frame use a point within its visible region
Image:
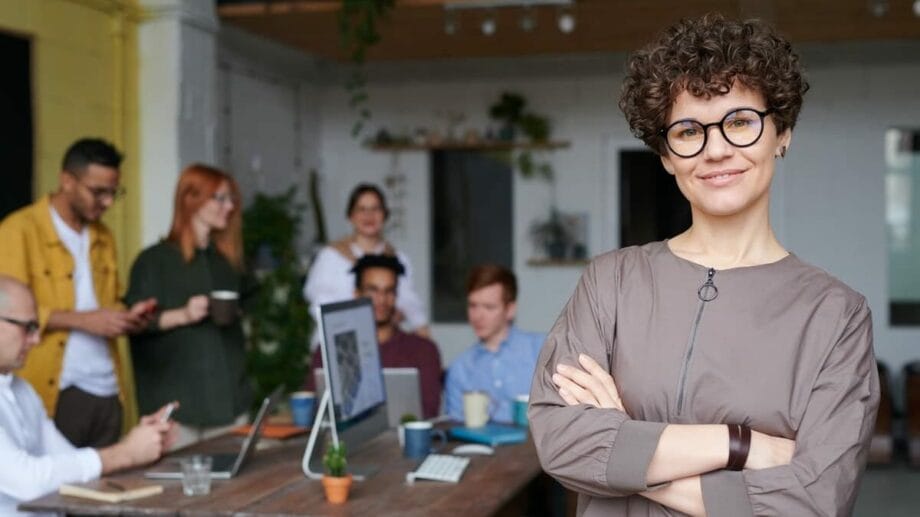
[403, 390]
[224, 466]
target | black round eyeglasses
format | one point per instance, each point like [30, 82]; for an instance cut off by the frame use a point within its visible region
[741, 128]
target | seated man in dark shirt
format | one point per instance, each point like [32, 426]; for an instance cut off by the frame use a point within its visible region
[377, 278]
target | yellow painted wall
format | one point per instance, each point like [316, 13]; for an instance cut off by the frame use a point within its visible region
[84, 83]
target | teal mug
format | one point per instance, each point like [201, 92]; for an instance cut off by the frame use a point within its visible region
[519, 410]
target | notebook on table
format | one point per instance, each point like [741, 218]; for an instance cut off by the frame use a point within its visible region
[111, 491]
[490, 434]
[224, 466]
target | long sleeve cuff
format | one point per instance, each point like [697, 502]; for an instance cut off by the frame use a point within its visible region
[724, 493]
[632, 451]
[90, 463]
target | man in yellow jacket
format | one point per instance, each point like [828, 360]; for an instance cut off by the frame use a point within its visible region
[60, 249]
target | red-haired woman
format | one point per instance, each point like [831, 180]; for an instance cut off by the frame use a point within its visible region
[184, 355]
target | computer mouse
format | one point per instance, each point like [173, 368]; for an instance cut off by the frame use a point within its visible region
[473, 448]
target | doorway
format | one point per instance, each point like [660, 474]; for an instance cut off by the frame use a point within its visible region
[16, 151]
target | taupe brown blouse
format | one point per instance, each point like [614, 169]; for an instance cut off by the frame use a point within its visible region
[784, 348]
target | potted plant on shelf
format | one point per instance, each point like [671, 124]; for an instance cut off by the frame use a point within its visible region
[509, 110]
[336, 480]
[550, 236]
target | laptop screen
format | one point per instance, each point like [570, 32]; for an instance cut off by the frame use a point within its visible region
[255, 432]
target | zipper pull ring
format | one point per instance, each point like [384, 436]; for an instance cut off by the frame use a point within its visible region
[708, 291]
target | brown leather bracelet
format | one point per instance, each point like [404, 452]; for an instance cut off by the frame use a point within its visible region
[734, 445]
[739, 445]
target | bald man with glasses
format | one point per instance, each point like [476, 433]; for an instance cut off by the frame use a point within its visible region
[35, 458]
[61, 250]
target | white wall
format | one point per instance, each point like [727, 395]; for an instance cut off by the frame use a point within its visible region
[828, 200]
[269, 119]
[177, 108]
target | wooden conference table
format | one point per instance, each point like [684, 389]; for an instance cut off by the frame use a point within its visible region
[272, 483]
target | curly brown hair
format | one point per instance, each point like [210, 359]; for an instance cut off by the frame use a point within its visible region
[704, 56]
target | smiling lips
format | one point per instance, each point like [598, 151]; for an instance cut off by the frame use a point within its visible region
[722, 178]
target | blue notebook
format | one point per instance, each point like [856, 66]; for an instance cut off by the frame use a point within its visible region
[490, 434]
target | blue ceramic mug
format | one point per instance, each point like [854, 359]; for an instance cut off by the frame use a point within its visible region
[302, 403]
[418, 439]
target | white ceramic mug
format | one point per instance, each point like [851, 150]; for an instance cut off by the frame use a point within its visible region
[475, 408]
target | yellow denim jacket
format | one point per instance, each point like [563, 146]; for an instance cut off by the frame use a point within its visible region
[33, 253]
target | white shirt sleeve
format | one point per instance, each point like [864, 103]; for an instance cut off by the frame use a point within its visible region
[26, 475]
[407, 298]
[329, 280]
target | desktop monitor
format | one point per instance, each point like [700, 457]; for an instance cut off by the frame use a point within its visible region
[353, 377]
[351, 358]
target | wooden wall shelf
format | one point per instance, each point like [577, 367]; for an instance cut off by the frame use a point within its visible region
[475, 146]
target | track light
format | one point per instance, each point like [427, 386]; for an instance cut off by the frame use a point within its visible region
[566, 20]
[528, 20]
[489, 26]
[878, 8]
[451, 24]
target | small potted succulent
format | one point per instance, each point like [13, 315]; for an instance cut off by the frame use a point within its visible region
[336, 480]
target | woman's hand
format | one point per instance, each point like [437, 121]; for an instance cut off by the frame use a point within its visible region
[196, 308]
[591, 384]
[769, 451]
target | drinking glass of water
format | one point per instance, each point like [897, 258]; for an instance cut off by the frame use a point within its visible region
[196, 475]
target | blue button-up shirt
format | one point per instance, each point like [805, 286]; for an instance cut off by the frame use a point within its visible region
[504, 374]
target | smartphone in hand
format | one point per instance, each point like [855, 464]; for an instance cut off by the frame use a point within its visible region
[151, 308]
[169, 411]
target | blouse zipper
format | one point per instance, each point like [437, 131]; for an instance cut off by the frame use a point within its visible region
[706, 293]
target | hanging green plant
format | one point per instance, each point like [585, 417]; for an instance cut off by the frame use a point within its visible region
[358, 20]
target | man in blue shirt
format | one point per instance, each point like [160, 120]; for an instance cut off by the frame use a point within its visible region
[501, 363]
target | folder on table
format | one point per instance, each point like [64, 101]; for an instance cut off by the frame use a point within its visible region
[490, 434]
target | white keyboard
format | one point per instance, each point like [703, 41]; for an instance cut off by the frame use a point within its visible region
[440, 467]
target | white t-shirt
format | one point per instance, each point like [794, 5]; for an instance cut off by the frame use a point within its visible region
[87, 362]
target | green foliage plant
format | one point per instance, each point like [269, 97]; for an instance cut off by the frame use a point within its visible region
[277, 321]
[509, 108]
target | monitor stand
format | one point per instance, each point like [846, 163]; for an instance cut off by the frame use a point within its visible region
[357, 434]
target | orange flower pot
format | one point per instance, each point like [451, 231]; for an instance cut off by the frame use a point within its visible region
[337, 488]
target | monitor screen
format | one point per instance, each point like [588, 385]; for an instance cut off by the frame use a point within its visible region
[351, 357]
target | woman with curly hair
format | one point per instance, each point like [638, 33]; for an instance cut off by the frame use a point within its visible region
[714, 373]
